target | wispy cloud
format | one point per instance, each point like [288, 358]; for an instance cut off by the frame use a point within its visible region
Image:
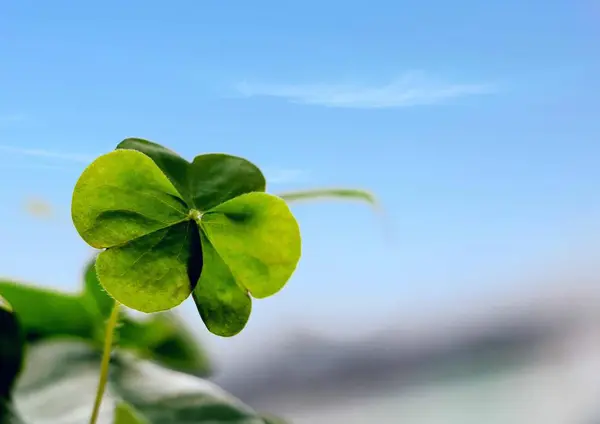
[42, 153]
[274, 175]
[38, 167]
[411, 89]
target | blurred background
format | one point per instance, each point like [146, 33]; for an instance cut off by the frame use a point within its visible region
[474, 298]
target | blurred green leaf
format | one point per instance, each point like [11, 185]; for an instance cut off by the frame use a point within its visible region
[161, 337]
[125, 414]
[59, 383]
[11, 348]
[8, 415]
[11, 359]
[45, 313]
[341, 194]
[164, 338]
[333, 193]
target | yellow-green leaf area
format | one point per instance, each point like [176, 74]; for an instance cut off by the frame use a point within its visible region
[122, 196]
[152, 273]
[223, 305]
[258, 239]
[125, 414]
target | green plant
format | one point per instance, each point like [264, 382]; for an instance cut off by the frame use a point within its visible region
[47, 315]
[168, 229]
[58, 384]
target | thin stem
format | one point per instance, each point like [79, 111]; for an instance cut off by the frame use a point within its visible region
[108, 341]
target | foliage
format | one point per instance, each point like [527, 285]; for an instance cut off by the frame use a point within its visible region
[169, 229]
[47, 315]
[59, 382]
[329, 193]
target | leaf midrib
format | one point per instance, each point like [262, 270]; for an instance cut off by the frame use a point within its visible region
[212, 244]
[149, 195]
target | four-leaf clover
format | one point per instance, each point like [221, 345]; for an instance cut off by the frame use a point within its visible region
[170, 228]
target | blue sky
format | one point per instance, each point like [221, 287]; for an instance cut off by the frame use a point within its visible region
[476, 123]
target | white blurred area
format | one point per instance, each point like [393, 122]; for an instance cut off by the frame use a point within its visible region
[529, 355]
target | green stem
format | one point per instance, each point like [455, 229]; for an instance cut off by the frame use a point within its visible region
[108, 342]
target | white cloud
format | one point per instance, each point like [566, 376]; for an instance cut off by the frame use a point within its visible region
[38, 167]
[411, 89]
[73, 157]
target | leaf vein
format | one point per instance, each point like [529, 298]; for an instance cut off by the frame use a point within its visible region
[178, 254]
[147, 251]
[145, 194]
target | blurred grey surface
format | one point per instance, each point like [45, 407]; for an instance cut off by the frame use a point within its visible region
[525, 357]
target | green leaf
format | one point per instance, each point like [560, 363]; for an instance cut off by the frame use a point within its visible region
[126, 414]
[124, 202]
[335, 193]
[45, 313]
[155, 272]
[170, 163]
[223, 305]
[131, 203]
[161, 337]
[164, 338]
[258, 239]
[11, 348]
[122, 196]
[209, 180]
[59, 384]
[8, 415]
[216, 178]
[94, 293]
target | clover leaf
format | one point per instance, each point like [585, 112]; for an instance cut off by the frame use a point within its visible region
[170, 228]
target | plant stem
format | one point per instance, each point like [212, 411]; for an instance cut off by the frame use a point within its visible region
[108, 342]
